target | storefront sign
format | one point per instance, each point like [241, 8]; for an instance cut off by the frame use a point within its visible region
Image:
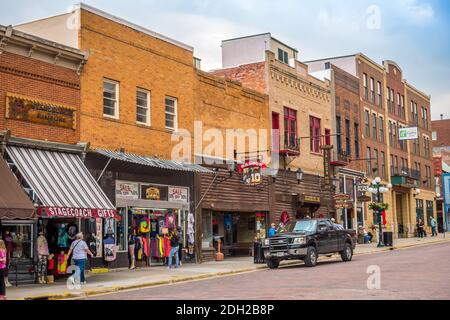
[152, 193]
[364, 199]
[327, 164]
[343, 201]
[178, 194]
[78, 213]
[43, 112]
[311, 199]
[411, 133]
[252, 172]
[127, 190]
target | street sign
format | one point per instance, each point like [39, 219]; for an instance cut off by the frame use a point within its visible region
[363, 187]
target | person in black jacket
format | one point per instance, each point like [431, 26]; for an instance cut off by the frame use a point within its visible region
[174, 244]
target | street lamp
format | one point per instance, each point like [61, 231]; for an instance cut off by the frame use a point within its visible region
[379, 188]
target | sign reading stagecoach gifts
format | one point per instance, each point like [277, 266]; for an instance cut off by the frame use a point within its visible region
[252, 172]
[84, 213]
[38, 111]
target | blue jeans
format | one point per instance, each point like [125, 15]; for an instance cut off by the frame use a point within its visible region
[81, 263]
[174, 252]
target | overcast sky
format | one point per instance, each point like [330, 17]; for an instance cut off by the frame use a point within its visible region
[414, 33]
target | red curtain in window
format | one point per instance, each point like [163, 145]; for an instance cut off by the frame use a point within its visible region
[315, 134]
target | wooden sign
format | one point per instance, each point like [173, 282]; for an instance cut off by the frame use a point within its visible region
[38, 111]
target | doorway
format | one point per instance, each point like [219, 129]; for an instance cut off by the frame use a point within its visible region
[402, 229]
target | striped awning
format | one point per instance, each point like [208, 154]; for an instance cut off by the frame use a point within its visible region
[153, 162]
[63, 183]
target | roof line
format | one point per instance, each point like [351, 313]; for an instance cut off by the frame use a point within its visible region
[131, 25]
[262, 34]
[331, 58]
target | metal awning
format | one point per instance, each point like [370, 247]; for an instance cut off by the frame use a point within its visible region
[14, 203]
[62, 182]
[153, 162]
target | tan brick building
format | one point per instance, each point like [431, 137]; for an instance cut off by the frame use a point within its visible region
[301, 113]
[138, 87]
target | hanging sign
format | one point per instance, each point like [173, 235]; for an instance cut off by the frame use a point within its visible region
[343, 201]
[252, 172]
[362, 187]
[411, 133]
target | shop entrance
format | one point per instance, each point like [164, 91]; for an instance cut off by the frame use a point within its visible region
[237, 231]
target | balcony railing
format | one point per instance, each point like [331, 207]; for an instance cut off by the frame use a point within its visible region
[406, 177]
[341, 158]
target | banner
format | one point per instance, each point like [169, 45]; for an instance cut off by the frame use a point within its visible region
[60, 212]
[411, 133]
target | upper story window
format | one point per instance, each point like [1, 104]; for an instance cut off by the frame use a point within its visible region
[381, 129]
[380, 96]
[338, 133]
[372, 90]
[399, 105]
[290, 128]
[356, 140]
[327, 65]
[348, 148]
[403, 114]
[374, 126]
[315, 134]
[388, 98]
[143, 107]
[392, 101]
[111, 99]
[171, 109]
[366, 123]
[366, 90]
[283, 56]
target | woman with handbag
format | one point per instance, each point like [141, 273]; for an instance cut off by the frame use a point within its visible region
[2, 270]
[80, 250]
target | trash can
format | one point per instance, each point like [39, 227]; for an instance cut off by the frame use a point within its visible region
[258, 257]
[388, 238]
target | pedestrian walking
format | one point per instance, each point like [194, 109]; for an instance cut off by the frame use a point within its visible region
[272, 230]
[433, 227]
[3, 258]
[80, 251]
[420, 228]
[174, 244]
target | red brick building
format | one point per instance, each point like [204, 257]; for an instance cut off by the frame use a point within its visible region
[40, 87]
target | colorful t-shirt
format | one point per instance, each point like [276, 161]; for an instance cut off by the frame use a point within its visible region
[3, 259]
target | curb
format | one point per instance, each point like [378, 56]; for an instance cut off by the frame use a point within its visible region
[94, 292]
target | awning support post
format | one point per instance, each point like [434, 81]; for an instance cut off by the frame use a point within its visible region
[104, 169]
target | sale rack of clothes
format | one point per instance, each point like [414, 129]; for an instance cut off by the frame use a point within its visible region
[148, 240]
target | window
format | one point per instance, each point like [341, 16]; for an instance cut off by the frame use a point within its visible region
[356, 140]
[430, 209]
[374, 126]
[143, 107]
[381, 129]
[171, 113]
[392, 101]
[338, 132]
[390, 132]
[416, 116]
[383, 164]
[314, 133]
[366, 91]
[369, 161]
[403, 114]
[372, 90]
[111, 99]
[399, 105]
[375, 156]
[412, 112]
[290, 128]
[394, 133]
[380, 96]
[419, 173]
[396, 166]
[328, 137]
[419, 210]
[392, 165]
[283, 56]
[366, 123]
[327, 65]
[348, 148]
[425, 115]
[388, 98]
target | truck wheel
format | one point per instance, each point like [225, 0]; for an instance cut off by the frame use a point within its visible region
[347, 253]
[273, 264]
[311, 257]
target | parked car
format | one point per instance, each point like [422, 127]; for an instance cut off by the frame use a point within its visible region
[307, 240]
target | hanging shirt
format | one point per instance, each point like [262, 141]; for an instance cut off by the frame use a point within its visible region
[42, 245]
[63, 238]
[92, 226]
[62, 263]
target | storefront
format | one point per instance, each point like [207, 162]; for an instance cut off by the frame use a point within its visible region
[234, 208]
[17, 218]
[152, 197]
[299, 196]
[67, 200]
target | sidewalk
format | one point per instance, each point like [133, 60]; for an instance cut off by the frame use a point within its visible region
[131, 279]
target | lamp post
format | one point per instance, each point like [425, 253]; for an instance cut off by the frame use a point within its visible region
[378, 188]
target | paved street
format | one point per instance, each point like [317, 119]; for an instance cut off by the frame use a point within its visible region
[415, 273]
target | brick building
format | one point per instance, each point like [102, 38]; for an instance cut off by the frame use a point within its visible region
[45, 74]
[300, 108]
[385, 97]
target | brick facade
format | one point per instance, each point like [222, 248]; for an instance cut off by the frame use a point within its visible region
[41, 81]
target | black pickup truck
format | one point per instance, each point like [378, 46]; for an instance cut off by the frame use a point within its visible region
[306, 240]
